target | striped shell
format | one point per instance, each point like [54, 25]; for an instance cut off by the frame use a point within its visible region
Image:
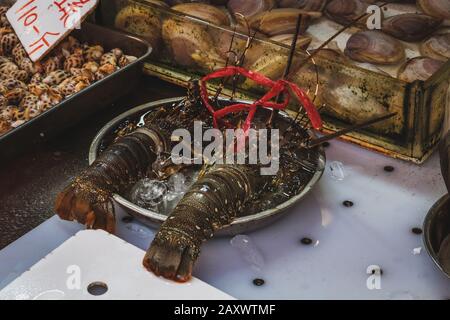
[15, 95]
[19, 53]
[8, 42]
[38, 88]
[109, 58]
[56, 77]
[73, 61]
[28, 101]
[52, 64]
[93, 53]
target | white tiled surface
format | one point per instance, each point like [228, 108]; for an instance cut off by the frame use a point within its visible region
[96, 256]
[375, 231]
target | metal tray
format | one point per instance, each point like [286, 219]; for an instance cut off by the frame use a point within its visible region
[154, 220]
[436, 228]
[95, 97]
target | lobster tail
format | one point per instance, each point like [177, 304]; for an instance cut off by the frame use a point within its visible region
[212, 203]
[88, 198]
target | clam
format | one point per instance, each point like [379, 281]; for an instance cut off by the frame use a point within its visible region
[330, 54]
[205, 12]
[302, 41]
[345, 11]
[436, 8]
[190, 44]
[142, 21]
[374, 47]
[419, 68]
[437, 47]
[410, 27]
[310, 5]
[280, 21]
[249, 8]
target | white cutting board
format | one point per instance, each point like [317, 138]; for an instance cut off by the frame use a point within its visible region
[96, 256]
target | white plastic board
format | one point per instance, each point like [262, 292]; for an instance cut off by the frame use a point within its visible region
[98, 257]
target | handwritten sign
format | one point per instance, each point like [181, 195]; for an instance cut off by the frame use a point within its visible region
[42, 24]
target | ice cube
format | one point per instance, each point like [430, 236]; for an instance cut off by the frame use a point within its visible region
[148, 193]
[169, 202]
[248, 251]
[337, 170]
[177, 183]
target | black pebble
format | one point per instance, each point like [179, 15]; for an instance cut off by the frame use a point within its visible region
[389, 168]
[258, 282]
[347, 203]
[306, 241]
[127, 219]
[416, 230]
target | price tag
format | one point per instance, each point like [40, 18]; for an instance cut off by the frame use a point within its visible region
[42, 24]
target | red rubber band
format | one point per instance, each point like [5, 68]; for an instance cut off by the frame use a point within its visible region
[276, 87]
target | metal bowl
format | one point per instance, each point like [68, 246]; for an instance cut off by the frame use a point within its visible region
[239, 225]
[436, 228]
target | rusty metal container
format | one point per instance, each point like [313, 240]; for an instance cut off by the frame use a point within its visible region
[347, 94]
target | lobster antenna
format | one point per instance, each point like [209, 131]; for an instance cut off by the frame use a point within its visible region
[247, 46]
[323, 45]
[299, 26]
[316, 142]
[229, 52]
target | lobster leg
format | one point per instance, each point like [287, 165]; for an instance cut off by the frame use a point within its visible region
[88, 198]
[211, 203]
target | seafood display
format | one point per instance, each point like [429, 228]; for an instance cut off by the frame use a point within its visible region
[193, 45]
[28, 89]
[139, 158]
[369, 51]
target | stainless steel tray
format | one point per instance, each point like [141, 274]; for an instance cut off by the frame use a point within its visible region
[154, 219]
[436, 228]
[94, 98]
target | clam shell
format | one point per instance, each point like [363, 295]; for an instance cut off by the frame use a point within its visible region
[310, 5]
[142, 21]
[410, 27]
[249, 8]
[374, 47]
[190, 44]
[280, 21]
[419, 68]
[205, 12]
[437, 47]
[436, 8]
[345, 11]
[302, 41]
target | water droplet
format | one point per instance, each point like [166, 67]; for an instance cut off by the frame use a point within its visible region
[337, 170]
[248, 250]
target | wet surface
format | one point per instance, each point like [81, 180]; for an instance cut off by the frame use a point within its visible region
[30, 182]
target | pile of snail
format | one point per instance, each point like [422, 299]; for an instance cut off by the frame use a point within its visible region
[192, 45]
[28, 89]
